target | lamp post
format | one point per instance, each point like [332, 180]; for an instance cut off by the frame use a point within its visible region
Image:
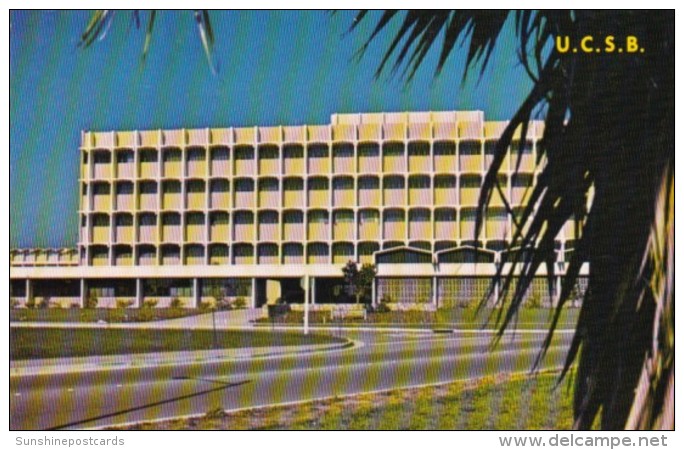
[213, 325]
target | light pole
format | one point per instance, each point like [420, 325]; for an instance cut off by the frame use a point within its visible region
[213, 325]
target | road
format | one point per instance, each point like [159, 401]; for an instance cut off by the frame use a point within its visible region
[380, 361]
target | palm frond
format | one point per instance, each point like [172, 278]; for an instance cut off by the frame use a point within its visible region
[148, 34]
[101, 20]
[420, 30]
[606, 147]
[206, 35]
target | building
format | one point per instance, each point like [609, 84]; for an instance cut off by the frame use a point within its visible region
[248, 212]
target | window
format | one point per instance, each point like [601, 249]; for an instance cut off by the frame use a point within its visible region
[195, 186]
[196, 155]
[269, 185]
[102, 158]
[344, 183]
[101, 189]
[445, 182]
[168, 288]
[172, 187]
[124, 188]
[148, 156]
[318, 151]
[369, 217]
[148, 188]
[171, 219]
[124, 220]
[469, 148]
[318, 217]
[101, 221]
[344, 217]
[147, 220]
[419, 182]
[124, 157]
[244, 185]
[318, 184]
[470, 181]
[172, 156]
[228, 287]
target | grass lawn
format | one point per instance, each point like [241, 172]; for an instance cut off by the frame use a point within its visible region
[31, 343]
[110, 315]
[460, 318]
[506, 402]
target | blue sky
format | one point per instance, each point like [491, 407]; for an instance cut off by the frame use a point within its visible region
[273, 68]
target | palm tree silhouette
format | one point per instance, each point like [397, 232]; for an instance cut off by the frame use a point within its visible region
[608, 147]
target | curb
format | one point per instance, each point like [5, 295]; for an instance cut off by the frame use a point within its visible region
[135, 362]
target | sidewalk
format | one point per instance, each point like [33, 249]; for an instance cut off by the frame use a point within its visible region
[53, 366]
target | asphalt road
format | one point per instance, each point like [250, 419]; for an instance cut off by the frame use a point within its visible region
[380, 361]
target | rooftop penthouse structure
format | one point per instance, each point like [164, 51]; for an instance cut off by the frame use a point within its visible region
[251, 211]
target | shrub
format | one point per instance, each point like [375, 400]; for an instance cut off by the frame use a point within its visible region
[223, 304]
[31, 303]
[91, 302]
[465, 303]
[52, 304]
[74, 305]
[386, 299]
[150, 303]
[533, 301]
[14, 303]
[177, 303]
[205, 305]
[382, 308]
[123, 304]
[240, 303]
[43, 303]
[215, 413]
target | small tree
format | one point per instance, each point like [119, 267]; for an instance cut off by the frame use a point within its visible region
[124, 303]
[91, 302]
[359, 282]
[351, 273]
[240, 303]
[176, 303]
[150, 303]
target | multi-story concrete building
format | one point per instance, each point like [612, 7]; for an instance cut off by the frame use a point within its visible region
[251, 211]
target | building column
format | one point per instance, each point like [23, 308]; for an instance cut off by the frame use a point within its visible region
[253, 302]
[196, 292]
[557, 294]
[138, 293]
[29, 291]
[313, 290]
[83, 292]
[374, 301]
[307, 289]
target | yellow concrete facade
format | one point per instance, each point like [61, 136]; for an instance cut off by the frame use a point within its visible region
[393, 175]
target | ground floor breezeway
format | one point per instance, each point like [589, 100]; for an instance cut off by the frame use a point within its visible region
[255, 292]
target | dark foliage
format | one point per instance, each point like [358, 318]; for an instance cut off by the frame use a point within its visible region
[607, 152]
